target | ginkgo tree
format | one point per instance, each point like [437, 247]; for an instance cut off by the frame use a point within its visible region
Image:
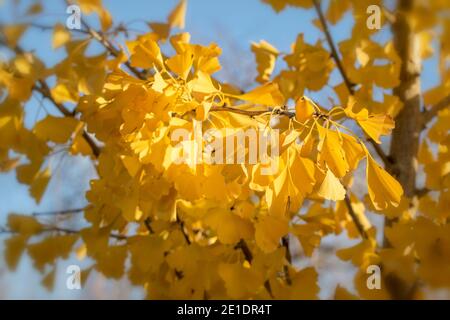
[225, 230]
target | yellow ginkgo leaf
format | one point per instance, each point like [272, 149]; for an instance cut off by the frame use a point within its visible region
[161, 29]
[35, 8]
[145, 55]
[374, 125]
[309, 235]
[337, 9]
[202, 83]
[111, 261]
[333, 154]
[265, 55]
[268, 94]
[361, 255]
[105, 19]
[201, 113]
[178, 15]
[49, 249]
[61, 93]
[55, 129]
[384, 190]
[289, 188]
[239, 280]
[179, 41]
[425, 156]
[181, 63]
[80, 146]
[14, 248]
[365, 292]
[8, 164]
[354, 151]
[13, 33]
[60, 36]
[302, 174]
[305, 284]
[331, 188]
[39, 184]
[279, 5]
[230, 228]
[343, 294]
[88, 6]
[132, 164]
[259, 181]
[49, 280]
[269, 230]
[147, 252]
[22, 224]
[304, 109]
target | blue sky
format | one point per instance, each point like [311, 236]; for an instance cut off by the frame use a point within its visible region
[232, 24]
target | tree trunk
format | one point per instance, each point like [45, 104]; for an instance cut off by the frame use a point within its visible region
[405, 136]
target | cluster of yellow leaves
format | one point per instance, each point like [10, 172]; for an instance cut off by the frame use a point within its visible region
[308, 67]
[207, 210]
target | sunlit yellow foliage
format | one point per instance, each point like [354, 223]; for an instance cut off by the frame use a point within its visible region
[206, 230]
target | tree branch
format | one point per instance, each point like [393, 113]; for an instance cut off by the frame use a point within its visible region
[428, 115]
[350, 86]
[63, 230]
[388, 161]
[111, 49]
[44, 90]
[253, 113]
[333, 49]
[390, 17]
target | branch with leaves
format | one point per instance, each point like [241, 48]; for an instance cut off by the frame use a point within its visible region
[201, 229]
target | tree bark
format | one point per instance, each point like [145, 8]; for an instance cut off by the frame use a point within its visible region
[405, 137]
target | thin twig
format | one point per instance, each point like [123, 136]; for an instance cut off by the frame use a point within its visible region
[285, 243]
[185, 235]
[59, 212]
[148, 225]
[422, 192]
[46, 27]
[245, 250]
[71, 231]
